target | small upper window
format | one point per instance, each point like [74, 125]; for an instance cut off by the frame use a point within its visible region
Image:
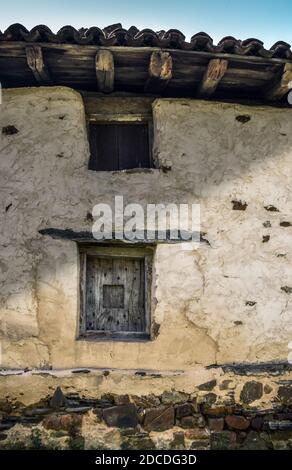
[115, 146]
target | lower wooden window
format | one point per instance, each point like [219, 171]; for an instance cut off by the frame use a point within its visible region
[115, 292]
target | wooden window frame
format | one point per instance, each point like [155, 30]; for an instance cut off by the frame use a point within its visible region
[130, 119]
[145, 253]
[121, 109]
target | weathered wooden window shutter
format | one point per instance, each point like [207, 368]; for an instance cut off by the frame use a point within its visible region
[119, 146]
[115, 292]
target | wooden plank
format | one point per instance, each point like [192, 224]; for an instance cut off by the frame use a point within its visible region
[90, 294]
[112, 251]
[15, 48]
[82, 300]
[116, 118]
[215, 72]
[35, 61]
[134, 293]
[160, 72]
[104, 155]
[113, 296]
[120, 316]
[148, 263]
[117, 108]
[126, 336]
[105, 71]
[133, 146]
[281, 85]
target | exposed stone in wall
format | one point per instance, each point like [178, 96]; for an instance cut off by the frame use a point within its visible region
[188, 421]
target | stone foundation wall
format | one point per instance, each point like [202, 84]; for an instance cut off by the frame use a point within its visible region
[229, 412]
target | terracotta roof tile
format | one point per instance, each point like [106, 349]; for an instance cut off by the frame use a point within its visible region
[116, 35]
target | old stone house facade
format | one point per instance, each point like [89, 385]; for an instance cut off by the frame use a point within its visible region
[206, 363]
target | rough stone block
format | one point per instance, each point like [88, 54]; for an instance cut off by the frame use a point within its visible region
[173, 397]
[65, 422]
[58, 400]
[257, 423]
[208, 386]
[186, 409]
[188, 422]
[122, 399]
[122, 416]
[239, 423]
[285, 394]
[159, 419]
[200, 445]
[148, 401]
[251, 392]
[216, 424]
[254, 441]
[178, 442]
[224, 440]
[197, 433]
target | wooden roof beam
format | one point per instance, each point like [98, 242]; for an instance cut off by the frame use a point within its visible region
[215, 72]
[35, 61]
[160, 72]
[282, 85]
[105, 71]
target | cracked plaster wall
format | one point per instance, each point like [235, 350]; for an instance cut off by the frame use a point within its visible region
[220, 303]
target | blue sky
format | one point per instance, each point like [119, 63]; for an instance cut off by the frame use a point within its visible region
[268, 20]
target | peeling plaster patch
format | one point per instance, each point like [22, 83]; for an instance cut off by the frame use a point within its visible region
[9, 130]
[155, 330]
[243, 118]
[89, 217]
[267, 224]
[203, 238]
[266, 238]
[165, 168]
[286, 289]
[239, 205]
[271, 209]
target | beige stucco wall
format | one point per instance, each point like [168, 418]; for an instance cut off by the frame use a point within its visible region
[200, 296]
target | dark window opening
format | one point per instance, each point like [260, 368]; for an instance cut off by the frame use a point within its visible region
[119, 146]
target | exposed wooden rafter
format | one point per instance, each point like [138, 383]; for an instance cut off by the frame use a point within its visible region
[35, 61]
[105, 71]
[282, 84]
[215, 72]
[79, 66]
[160, 72]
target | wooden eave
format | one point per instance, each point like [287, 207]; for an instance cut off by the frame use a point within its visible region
[147, 70]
